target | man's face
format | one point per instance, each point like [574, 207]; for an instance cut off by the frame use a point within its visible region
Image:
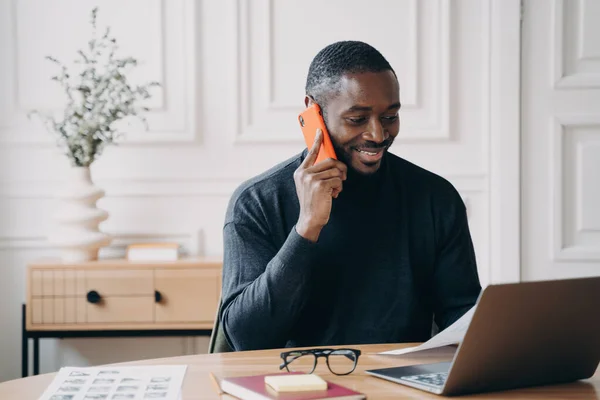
[362, 119]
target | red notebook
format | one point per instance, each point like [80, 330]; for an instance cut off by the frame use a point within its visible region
[255, 388]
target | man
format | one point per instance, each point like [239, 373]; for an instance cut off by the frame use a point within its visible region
[368, 248]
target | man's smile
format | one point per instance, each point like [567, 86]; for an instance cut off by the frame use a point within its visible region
[370, 155]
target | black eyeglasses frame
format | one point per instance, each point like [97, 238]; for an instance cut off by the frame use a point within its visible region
[318, 353]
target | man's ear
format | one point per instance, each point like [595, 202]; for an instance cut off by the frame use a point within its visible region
[308, 100]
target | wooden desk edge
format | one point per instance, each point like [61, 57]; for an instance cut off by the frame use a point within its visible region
[197, 382]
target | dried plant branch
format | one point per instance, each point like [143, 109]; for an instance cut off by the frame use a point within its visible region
[98, 97]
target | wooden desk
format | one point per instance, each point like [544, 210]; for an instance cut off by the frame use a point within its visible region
[197, 384]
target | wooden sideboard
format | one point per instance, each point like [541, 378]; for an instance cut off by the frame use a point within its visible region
[117, 297]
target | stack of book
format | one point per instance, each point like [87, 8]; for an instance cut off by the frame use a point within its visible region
[286, 386]
[153, 252]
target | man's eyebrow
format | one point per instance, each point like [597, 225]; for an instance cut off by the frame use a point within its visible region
[359, 108]
[367, 108]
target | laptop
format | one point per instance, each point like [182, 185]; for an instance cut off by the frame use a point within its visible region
[521, 335]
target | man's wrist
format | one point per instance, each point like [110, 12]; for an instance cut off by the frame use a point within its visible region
[308, 232]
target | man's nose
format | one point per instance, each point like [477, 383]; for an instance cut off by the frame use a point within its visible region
[376, 131]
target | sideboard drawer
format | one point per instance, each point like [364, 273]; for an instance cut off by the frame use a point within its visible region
[121, 309]
[187, 295]
[115, 282]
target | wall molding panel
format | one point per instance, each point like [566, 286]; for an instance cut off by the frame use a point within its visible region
[576, 62]
[426, 113]
[171, 117]
[576, 228]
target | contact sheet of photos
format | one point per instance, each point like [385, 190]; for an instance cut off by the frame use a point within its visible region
[118, 383]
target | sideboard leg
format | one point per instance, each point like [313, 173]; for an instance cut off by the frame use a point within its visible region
[24, 345]
[36, 356]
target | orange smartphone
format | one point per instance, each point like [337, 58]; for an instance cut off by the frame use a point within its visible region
[310, 120]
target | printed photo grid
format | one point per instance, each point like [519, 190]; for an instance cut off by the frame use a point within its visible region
[118, 383]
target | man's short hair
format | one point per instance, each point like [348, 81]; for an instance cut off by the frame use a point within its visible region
[337, 59]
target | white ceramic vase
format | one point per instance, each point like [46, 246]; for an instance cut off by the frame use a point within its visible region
[77, 220]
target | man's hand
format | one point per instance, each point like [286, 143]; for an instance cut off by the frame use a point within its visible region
[316, 186]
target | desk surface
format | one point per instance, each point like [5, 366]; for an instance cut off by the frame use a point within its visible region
[197, 384]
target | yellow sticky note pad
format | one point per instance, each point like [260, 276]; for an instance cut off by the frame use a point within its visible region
[296, 383]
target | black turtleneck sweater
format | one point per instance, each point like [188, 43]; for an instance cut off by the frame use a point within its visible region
[395, 255]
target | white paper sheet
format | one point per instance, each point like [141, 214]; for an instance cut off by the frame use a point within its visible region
[453, 334]
[117, 383]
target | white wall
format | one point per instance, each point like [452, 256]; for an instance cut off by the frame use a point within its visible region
[233, 75]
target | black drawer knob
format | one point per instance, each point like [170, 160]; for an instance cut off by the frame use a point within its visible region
[93, 297]
[157, 296]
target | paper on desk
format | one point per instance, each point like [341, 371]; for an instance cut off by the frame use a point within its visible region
[453, 334]
[117, 383]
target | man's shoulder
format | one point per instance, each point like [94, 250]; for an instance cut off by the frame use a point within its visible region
[259, 188]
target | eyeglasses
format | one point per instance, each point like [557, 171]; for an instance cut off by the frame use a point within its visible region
[339, 361]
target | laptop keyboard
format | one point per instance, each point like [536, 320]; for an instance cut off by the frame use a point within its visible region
[435, 379]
